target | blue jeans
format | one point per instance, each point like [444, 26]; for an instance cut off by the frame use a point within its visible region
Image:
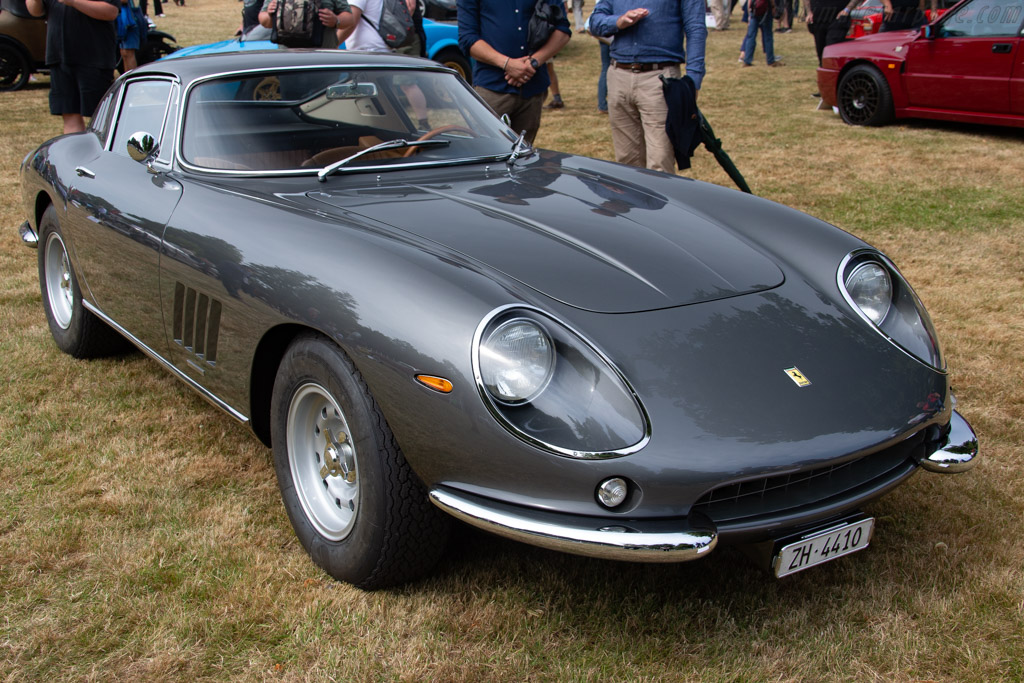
[602, 81]
[767, 38]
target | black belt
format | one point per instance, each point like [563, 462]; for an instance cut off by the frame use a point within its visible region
[639, 67]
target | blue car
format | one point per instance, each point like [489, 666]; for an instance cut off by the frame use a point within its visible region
[442, 46]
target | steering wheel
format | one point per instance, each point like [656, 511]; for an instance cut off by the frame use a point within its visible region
[433, 133]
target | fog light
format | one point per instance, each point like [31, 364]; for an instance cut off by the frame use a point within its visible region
[612, 492]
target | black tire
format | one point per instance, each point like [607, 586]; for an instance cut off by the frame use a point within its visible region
[14, 67]
[354, 503]
[74, 328]
[453, 58]
[864, 97]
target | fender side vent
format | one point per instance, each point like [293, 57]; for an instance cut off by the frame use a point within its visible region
[196, 324]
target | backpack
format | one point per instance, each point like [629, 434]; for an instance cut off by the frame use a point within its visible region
[761, 7]
[297, 24]
[395, 27]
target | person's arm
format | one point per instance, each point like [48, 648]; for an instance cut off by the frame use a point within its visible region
[696, 32]
[602, 21]
[35, 7]
[97, 9]
[347, 22]
[266, 18]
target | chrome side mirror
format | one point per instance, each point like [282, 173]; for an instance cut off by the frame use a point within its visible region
[142, 147]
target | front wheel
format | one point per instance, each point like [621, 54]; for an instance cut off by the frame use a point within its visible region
[354, 503]
[864, 97]
[74, 328]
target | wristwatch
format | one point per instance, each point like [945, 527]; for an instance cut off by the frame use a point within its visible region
[534, 63]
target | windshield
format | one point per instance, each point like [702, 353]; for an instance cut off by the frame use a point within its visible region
[305, 120]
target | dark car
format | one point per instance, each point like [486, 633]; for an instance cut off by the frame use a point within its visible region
[421, 320]
[23, 45]
[966, 66]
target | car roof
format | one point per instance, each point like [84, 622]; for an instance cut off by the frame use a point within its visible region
[188, 69]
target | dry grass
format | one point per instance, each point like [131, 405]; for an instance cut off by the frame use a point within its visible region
[141, 536]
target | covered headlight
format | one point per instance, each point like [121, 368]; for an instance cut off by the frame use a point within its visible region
[516, 361]
[870, 288]
[877, 291]
[550, 387]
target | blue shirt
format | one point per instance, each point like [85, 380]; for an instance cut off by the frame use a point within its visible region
[658, 37]
[504, 25]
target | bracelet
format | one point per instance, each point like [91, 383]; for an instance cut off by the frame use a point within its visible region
[505, 66]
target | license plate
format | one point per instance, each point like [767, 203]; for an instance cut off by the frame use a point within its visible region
[823, 546]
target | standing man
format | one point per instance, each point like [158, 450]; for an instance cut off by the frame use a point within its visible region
[329, 15]
[648, 44]
[81, 52]
[505, 74]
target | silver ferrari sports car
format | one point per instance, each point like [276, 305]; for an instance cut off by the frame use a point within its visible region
[426, 319]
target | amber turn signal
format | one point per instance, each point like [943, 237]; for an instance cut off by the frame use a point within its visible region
[435, 383]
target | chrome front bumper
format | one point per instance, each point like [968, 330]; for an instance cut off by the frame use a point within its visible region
[640, 540]
[28, 236]
[655, 541]
[959, 454]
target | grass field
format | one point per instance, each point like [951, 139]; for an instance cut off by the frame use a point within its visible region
[142, 537]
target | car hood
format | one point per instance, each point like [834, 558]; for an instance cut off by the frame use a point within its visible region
[583, 238]
[888, 45]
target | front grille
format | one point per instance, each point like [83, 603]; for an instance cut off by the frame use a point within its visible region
[779, 493]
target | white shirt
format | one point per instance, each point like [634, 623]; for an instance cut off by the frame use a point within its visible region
[365, 37]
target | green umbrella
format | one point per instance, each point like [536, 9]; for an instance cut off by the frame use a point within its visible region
[714, 146]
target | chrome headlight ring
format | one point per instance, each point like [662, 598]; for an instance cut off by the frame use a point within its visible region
[573, 402]
[863, 278]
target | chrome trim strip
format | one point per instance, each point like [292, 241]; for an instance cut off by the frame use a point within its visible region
[614, 541]
[28, 236]
[959, 454]
[201, 390]
[496, 414]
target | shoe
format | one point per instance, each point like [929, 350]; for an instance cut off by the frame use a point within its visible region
[777, 62]
[817, 94]
[747, 63]
[161, 15]
[603, 111]
[555, 103]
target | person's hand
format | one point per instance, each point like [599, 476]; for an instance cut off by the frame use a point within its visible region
[631, 17]
[519, 71]
[886, 10]
[272, 7]
[327, 17]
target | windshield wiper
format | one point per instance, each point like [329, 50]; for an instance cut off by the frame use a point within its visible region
[519, 149]
[388, 144]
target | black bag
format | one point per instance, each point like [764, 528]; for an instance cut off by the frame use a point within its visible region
[396, 25]
[542, 23]
[296, 23]
[760, 7]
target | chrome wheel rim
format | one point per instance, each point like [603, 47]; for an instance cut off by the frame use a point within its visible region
[322, 459]
[57, 277]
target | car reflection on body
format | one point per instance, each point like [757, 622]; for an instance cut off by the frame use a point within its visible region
[427, 321]
[965, 66]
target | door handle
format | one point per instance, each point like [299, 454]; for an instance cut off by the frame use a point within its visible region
[1002, 48]
[82, 171]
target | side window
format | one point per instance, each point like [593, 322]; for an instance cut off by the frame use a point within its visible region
[100, 122]
[983, 19]
[142, 109]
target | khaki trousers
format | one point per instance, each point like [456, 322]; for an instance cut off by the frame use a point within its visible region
[637, 113]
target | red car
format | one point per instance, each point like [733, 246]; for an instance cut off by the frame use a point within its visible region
[866, 18]
[966, 66]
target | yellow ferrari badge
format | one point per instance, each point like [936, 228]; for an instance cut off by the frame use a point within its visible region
[798, 377]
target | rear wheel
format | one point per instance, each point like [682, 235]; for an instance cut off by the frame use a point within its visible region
[453, 58]
[75, 329]
[864, 97]
[14, 67]
[355, 504]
